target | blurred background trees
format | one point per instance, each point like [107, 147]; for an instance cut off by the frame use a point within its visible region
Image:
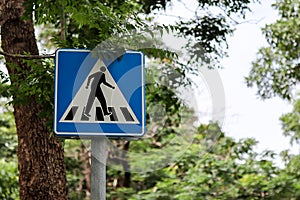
[213, 166]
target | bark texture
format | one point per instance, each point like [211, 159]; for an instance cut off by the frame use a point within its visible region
[40, 155]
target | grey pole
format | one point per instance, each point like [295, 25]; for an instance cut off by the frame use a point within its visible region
[98, 169]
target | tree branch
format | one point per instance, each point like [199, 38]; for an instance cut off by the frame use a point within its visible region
[27, 56]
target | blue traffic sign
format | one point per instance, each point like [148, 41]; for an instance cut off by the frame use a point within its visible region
[99, 97]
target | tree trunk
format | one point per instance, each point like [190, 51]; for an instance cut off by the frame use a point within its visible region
[40, 155]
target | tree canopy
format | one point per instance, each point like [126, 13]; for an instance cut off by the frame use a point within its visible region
[212, 165]
[275, 72]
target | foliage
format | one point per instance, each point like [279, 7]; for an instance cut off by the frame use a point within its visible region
[290, 123]
[8, 136]
[207, 30]
[229, 170]
[9, 188]
[72, 28]
[36, 82]
[276, 69]
[75, 157]
[275, 72]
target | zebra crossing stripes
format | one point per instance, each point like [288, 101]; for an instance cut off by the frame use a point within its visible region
[100, 117]
[113, 116]
[119, 114]
[126, 114]
[99, 114]
[71, 113]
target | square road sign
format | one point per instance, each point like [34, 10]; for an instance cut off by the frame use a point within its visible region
[99, 97]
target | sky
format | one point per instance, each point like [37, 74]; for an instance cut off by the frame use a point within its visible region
[246, 115]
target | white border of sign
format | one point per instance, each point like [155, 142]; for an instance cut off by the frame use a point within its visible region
[91, 134]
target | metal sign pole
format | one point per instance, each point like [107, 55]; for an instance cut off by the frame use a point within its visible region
[98, 169]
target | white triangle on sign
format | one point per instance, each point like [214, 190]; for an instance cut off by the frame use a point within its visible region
[118, 107]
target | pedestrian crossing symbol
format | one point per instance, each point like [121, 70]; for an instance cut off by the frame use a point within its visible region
[99, 97]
